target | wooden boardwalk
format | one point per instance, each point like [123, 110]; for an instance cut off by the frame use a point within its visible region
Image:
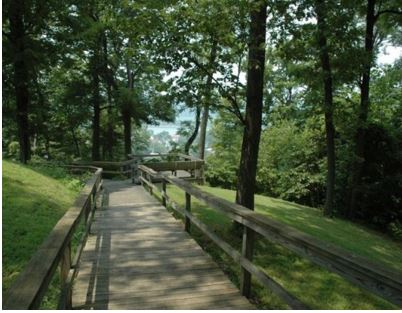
[139, 257]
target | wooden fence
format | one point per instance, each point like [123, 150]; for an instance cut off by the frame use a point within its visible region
[386, 283]
[160, 162]
[32, 283]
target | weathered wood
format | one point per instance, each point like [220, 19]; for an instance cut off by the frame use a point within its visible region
[187, 222]
[247, 253]
[30, 286]
[188, 157]
[174, 166]
[268, 282]
[151, 256]
[163, 193]
[65, 266]
[194, 301]
[383, 281]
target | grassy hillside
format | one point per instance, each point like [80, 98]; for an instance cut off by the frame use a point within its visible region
[34, 199]
[313, 285]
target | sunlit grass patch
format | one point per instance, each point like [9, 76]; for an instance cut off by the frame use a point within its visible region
[34, 199]
[313, 285]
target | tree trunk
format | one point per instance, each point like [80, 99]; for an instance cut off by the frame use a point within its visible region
[195, 132]
[110, 131]
[126, 115]
[96, 107]
[205, 114]
[75, 140]
[109, 82]
[328, 105]
[17, 36]
[254, 97]
[363, 110]
[127, 132]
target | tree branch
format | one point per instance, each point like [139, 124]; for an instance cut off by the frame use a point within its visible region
[392, 11]
[387, 11]
[223, 91]
[106, 107]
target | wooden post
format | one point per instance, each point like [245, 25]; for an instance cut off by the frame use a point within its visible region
[247, 252]
[187, 223]
[88, 209]
[65, 266]
[164, 190]
[93, 199]
[133, 171]
[151, 191]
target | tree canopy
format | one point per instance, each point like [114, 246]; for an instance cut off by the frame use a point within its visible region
[300, 106]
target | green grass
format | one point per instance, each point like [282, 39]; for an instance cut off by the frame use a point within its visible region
[34, 199]
[316, 287]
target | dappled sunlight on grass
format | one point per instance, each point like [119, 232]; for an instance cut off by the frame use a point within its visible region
[355, 238]
[313, 285]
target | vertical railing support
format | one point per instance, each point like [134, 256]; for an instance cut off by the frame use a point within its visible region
[164, 192]
[151, 190]
[88, 209]
[187, 223]
[247, 252]
[65, 266]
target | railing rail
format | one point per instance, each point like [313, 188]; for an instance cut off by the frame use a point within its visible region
[30, 286]
[168, 162]
[386, 283]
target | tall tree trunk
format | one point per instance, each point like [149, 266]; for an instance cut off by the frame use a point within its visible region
[126, 114]
[191, 139]
[205, 114]
[328, 105]
[252, 128]
[110, 131]
[17, 36]
[109, 82]
[363, 109]
[96, 107]
[254, 97]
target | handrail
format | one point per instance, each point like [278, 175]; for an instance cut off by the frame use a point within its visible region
[386, 283]
[29, 288]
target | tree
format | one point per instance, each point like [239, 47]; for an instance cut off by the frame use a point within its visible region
[18, 40]
[254, 99]
[372, 16]
[207, 102]
[322, 29]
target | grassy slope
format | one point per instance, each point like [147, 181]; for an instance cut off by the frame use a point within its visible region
[32, 204]
[313, 285]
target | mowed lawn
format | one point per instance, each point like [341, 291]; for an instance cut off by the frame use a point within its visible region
[34, 199]
[314, 286]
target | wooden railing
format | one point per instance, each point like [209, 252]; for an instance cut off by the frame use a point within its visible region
[123, 168]
[386, 283]
[30, 286]
[165, 162]
[169, 162]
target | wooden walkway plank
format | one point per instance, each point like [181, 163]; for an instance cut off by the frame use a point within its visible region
[139, 257]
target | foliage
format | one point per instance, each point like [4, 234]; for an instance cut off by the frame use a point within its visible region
[291, 162]
[223, 162]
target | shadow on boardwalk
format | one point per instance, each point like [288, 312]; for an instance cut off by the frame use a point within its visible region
[139, 257]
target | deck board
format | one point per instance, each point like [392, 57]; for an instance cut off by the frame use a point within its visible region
[139, 257]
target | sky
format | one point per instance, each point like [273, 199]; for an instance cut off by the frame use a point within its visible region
[387, 55]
